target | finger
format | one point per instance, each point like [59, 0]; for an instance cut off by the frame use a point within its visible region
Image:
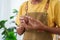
[40, 31]
[24, 18]
[22, 21]
[20, 30]
[32, 19]
[31, 23]
[25, 26]
[21, 18]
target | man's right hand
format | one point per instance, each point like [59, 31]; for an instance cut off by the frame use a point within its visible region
[20, 30]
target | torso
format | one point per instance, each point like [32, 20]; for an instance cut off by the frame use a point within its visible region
[35, 11]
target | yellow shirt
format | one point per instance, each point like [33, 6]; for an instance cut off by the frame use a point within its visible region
[53, 11]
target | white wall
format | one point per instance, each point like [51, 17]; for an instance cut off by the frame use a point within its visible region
[15, 4]
[6, 7]
[4, 11]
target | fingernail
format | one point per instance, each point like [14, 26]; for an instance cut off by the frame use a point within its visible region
[29, 17]
[26, 16]
[21, 18]
[22, 21]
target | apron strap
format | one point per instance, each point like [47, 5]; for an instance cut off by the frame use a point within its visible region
[26, 7]
[46, 6]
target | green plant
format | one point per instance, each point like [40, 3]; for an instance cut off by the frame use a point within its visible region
[8, 33]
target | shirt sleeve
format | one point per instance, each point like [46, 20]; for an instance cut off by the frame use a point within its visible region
[20, 13]
[17, 21]
[57, 13]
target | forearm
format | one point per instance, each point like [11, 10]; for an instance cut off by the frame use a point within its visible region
[52, 30]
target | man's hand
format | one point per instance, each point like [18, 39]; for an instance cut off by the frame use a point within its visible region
[28, 23]
[32, 24]
[20, 30]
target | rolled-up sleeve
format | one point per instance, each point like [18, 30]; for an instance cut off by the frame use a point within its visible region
[20, 13]
[17, 21]
[57, 13]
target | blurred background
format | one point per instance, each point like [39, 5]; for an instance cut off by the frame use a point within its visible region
[6, 10]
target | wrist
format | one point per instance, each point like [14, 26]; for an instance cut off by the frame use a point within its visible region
[45, 27]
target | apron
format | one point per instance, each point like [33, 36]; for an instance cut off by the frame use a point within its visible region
[33, 34]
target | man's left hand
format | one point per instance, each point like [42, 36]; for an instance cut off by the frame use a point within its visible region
[33, 24]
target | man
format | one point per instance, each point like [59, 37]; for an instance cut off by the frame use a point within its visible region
[32, 25]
